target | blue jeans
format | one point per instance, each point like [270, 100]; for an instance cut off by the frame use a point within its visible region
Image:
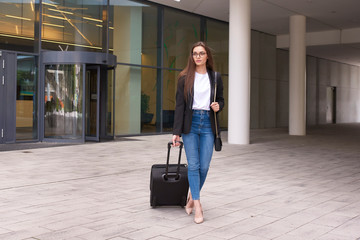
[198, 144]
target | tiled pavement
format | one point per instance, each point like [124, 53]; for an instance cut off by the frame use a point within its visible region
[279, 187]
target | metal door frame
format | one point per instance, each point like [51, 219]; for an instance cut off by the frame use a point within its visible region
[8, 66]
[97, 137]
[8, 95]
[2, 97]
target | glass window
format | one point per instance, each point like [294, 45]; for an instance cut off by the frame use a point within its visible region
[127, 100]
[217, 38]
[136, 104]
[26, 98]
[17, 25]
[133, 32]
[149, 35]
[181, 31]
[169, 93]
[63, 101]
[150, 105]
[73, 25]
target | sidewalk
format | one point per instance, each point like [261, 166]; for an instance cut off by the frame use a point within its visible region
[279, 187]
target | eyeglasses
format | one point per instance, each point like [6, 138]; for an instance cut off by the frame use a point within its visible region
[200, 54]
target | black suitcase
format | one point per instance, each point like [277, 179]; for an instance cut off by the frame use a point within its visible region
[168, 182]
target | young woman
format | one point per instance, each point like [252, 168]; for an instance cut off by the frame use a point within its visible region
[194, 119]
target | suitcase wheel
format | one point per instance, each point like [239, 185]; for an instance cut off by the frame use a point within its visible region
[153, 202]
[183, 202]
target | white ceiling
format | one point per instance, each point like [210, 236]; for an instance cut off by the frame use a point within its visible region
[272, 16]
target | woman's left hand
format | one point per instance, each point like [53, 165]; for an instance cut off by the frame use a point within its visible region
[215, 106]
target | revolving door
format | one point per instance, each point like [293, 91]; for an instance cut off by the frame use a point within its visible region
[78, 96]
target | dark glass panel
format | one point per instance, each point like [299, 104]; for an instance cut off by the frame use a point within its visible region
[26, 98]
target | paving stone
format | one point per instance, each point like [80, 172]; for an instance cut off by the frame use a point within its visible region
[25, 233]
[289, 237]
[107, 233]
[206, 237]
[241, 227]
[189, 232]
[3, 231]
[62, 234]
[332, 220]
[147, 233]
[272, 230]
[310, 231]
[249, 237]
[162, 238]
[349, 228]
[335, 237]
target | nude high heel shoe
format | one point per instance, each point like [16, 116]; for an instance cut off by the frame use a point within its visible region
[189, 210]
[199, 220]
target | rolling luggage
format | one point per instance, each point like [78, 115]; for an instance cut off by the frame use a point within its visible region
[168, 182]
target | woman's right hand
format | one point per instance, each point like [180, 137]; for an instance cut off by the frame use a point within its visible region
[175, 140]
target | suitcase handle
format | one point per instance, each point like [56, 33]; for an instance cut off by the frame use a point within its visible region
[172, 177]
[168, 157]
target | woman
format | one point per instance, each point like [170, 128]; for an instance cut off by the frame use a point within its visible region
[194, 119]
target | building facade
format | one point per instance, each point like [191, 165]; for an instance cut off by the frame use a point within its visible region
[78, 70]
[95, 69]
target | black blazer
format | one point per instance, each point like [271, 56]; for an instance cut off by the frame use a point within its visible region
[183, 109]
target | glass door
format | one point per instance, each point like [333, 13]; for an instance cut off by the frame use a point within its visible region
[18, 97]
[92, 98]
[63, 108]
[26, 98]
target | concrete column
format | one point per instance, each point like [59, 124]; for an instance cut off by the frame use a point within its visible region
[297, 73]
[239, 72]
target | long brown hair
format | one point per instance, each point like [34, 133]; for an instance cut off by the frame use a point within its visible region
[189, 70]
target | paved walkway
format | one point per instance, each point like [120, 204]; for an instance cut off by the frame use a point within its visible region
[279, 187]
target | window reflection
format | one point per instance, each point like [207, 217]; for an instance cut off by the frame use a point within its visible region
[63, 101]
[73, 25]
[17, 24]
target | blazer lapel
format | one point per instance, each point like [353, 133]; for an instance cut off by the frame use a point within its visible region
[212, 81]
[191, 98]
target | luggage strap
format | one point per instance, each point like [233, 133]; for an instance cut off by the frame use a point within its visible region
[168, 157]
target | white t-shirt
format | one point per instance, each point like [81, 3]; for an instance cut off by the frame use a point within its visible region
[201, 92]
